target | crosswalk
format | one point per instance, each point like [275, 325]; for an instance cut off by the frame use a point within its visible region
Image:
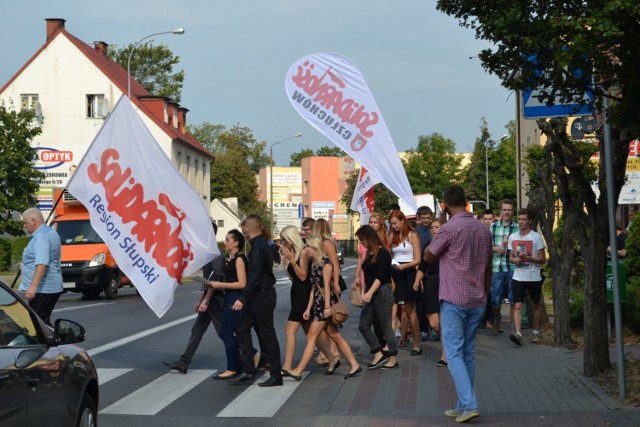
[150, 399]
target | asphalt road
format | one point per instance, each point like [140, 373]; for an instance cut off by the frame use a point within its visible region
[128, 344]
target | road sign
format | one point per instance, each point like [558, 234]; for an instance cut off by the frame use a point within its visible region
[534, 108]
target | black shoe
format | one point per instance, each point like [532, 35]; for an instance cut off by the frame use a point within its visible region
[273, 382]
[243, 379]
[416, 352]
[330, 370]
[178, 366]
[353, 374]
[286, 373]
[379, 363]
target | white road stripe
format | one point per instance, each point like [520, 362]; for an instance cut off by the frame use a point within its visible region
[258, 401]
[107, 374]
[127, 340]
[78, 307]
[155, 396]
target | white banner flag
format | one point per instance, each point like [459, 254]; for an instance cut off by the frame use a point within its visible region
[153, 222]
[329, 92]
[362, 201]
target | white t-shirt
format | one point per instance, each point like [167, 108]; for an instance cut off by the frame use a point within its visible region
[531, 244]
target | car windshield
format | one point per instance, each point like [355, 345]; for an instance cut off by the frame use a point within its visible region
[77, 232]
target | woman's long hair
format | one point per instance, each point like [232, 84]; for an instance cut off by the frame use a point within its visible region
[367, 234]
[398, 237]
[321, 229]
[316, 243]
[383, 233]
[291, 234]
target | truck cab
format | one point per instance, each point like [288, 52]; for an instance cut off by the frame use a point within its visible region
[86, 262]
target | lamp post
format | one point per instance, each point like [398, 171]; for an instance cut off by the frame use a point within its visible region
[486, 169]
[176, 31]
[297, 135]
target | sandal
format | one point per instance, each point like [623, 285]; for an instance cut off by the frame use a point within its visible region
[403, 343]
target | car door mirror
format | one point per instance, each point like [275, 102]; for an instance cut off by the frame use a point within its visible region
[68, 332]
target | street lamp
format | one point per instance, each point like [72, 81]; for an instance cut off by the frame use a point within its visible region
[486, 169]
[297, 135]
[176, 31]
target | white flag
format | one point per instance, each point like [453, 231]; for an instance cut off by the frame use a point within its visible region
[153, 222]
[362, 201]
[329, 92]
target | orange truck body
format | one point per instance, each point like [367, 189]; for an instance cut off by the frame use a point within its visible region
[87, 264]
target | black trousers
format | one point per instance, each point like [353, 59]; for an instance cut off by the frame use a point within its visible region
[201, 324]
[259, 316]
[43, 304]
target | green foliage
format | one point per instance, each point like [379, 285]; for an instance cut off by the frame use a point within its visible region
[433, 165]
[631, 309]
[324, 151]
[632, 244]
[576, 308]
[152, 67]
[5, 254]
[238, 158]
[382, 197]
[17, 247]
[18, 179]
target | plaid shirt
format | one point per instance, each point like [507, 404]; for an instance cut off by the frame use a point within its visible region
[463, 245]
[499, 233]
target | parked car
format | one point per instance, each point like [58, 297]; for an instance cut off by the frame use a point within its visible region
[44, 378]
[340, 256]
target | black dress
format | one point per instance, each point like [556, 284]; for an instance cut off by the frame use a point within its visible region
[300, 292]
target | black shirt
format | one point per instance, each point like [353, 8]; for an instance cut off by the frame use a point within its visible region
[259, 269]
[381, 270]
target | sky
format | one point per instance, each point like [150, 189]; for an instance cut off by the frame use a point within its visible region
[420, 65]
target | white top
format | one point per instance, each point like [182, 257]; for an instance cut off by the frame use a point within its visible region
[403, 252]
[531, 243]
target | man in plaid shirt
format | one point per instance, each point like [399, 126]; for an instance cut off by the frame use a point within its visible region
[502, 268]
[463, 246]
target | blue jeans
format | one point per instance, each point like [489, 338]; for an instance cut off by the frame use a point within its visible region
[500, 279]
[459, 326]
[228, 330]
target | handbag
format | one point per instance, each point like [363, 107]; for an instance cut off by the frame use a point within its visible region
[355, 297]
[342, 283]
[339, 312]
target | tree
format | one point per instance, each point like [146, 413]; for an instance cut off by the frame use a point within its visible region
[324, 151]
[18, 179]
[432, 165]
[562, 47]
[474, 178]
[152, 67]
[238, 157]
[296, 157]
[382, 196]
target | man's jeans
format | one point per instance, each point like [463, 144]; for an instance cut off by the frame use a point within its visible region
[500, 279]
[459, 339]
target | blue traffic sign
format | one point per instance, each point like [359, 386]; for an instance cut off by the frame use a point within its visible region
[300, 210]
[534, 108]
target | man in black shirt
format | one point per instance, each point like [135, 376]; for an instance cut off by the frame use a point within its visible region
[258, 300]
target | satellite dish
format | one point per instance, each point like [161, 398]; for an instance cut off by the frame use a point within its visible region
[104, 108]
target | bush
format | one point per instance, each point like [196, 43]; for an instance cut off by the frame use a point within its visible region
[631, 309]
[5, 254]
[576, 308]
[632, 244]
[17, 247]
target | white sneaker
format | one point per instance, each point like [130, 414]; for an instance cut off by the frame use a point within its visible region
[453, 413]
[468, 415]
[398, 333]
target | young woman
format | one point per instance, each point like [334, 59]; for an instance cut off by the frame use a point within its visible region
[378, 298]
[234, 280]
[322, 295]
[376, 221]
[430, 288]
[322, 229]
[297, 263]
[405, 246]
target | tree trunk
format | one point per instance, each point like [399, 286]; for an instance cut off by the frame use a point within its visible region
[596, 342]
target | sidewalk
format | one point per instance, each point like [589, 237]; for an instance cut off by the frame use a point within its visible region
[531, 385]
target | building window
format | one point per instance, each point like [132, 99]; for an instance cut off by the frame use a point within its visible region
[96, 106]
[220, 223]
[188, 171]
[29, 101]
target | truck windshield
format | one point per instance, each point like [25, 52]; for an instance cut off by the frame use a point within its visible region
[77, 232]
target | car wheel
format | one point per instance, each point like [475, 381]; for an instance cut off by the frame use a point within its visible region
[88, 414]
[112, 288]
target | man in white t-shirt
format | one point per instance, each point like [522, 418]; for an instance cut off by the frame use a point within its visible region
[527, 253]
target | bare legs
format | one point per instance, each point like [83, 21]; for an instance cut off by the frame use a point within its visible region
[409, 310]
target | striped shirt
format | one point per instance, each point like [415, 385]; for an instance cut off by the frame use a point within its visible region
[463, 245]
[500, 232]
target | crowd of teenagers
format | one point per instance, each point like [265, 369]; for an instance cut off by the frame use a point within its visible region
[429, 271]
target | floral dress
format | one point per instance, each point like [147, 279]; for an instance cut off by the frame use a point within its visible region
[317, 311]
